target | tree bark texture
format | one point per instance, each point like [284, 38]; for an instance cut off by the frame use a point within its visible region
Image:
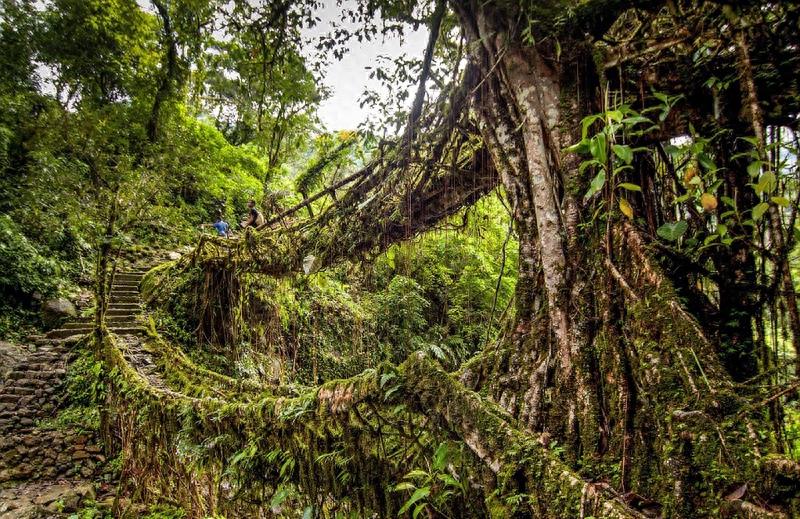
[611, 357]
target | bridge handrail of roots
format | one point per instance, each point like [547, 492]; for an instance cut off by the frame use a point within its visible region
[328, 415]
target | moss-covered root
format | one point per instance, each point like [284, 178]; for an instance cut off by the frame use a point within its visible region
[521, 463]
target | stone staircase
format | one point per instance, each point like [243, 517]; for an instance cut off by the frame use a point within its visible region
[33, 391]
[123, 310]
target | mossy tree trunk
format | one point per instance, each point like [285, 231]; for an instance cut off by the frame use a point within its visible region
[604, 361]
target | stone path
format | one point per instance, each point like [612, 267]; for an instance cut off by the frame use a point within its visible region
[47, 471]
[45, 499]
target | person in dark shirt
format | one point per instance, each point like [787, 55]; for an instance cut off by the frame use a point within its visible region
[254, 218]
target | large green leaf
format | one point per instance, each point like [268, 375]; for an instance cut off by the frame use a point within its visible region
[420, 493]
[625, 153]
[673, 231]
[759, 210]
[597, 184]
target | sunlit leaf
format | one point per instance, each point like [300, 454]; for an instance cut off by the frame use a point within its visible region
[597, 147]
[759, 210]
[623, 152]
[708, 202]
[420, 493]
[626, 208]
[596, 185]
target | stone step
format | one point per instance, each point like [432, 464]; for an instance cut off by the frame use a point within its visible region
[63, 333]
[116, 320]
[48, 358]
[111, 319]
[122, 312]
[130, 323]
[41, 364]
[16, 414]
[17, 390]
[125, 283]
[45, 351]
[76, 325]
[130, 277]
[36, 374]
[129, 299]
[44, 341]
[124, 290]
[132, 310]
[34, 382]
[128, 330]
[124, 298]
[116, 289]
[123, 328]
[118, 306]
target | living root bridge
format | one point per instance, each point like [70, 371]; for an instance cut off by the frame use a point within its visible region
[191, 450]
[395, 213]
[406, 189]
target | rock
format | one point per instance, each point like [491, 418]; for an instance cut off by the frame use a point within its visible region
[174, 256]
[10, 354]
[55, 311]
[72, 499]
[84, 298]
[23, 470]
[52, 494]
[80, 455]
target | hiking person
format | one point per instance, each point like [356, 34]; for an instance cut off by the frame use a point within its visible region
[254, 217]
[222, 227]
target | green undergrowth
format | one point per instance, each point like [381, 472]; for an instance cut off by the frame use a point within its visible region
[365, 444]
[30, 273]
[189, 378]
[443, 293]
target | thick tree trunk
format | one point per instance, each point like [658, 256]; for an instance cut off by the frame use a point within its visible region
[520, 114]
[610, 365]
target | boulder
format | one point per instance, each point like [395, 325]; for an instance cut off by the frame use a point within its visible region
[55, 311]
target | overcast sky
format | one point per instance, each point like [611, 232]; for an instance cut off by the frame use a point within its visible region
[348, 78]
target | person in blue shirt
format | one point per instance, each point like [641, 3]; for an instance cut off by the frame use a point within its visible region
[222, 227]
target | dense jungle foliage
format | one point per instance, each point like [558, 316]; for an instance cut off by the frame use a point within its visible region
[75, 137]
[554, 275]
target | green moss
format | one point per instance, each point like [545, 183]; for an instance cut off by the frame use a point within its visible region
[155, 277]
